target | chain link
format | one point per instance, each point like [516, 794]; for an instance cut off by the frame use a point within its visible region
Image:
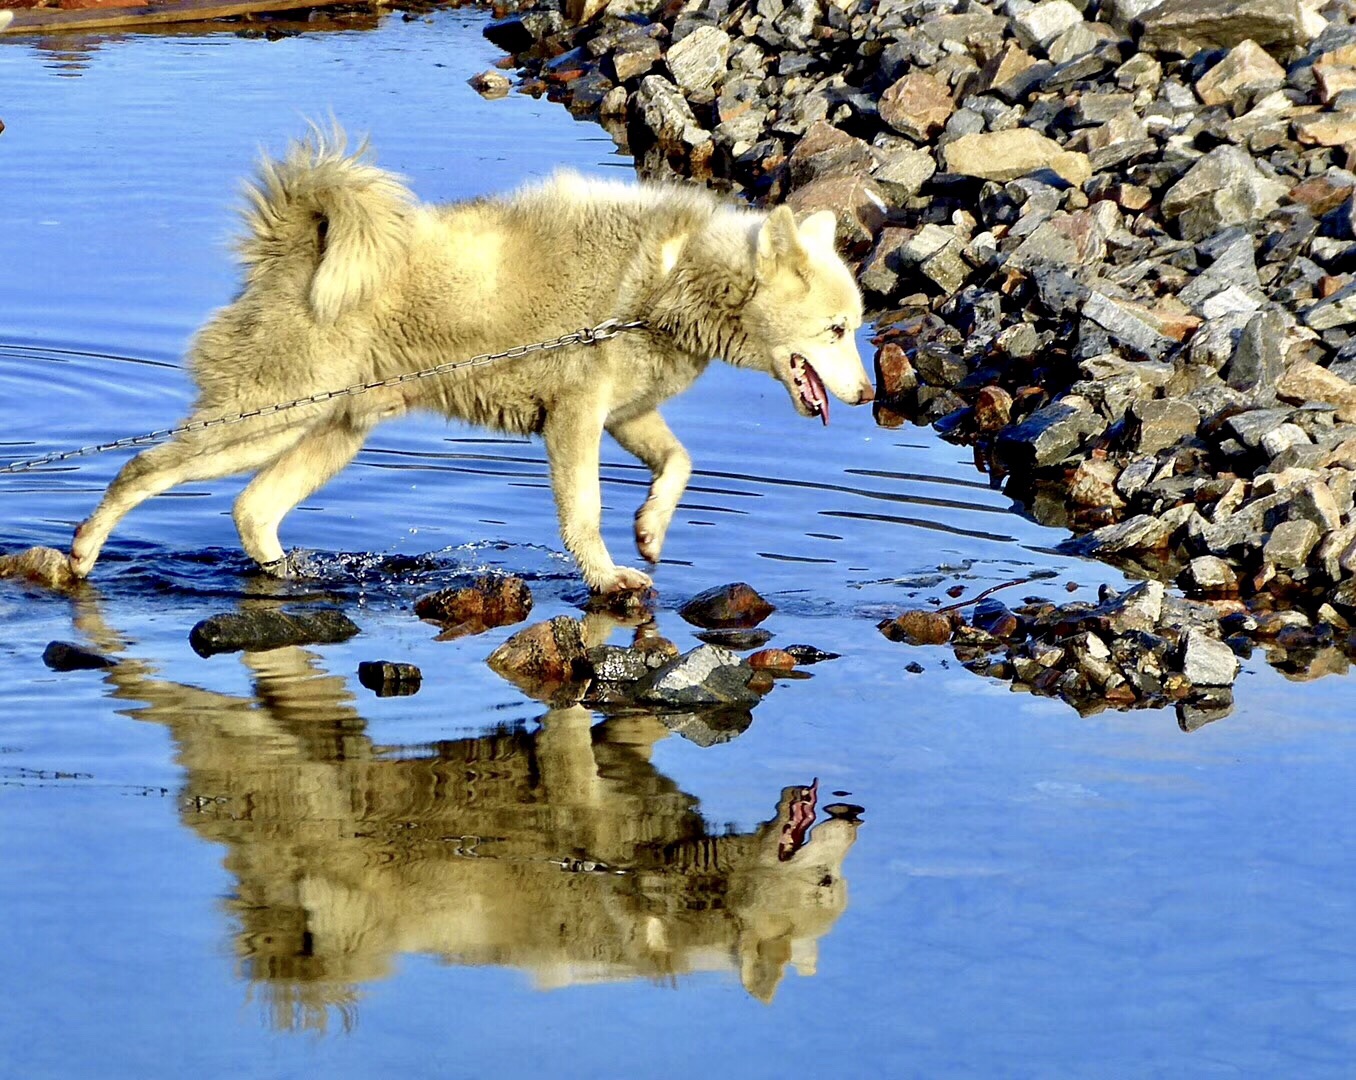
[587, 336]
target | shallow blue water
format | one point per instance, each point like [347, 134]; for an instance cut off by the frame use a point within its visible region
[253, 867]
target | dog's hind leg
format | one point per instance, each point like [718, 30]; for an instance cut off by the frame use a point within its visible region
[573, 438]
[300, 472]
[198, 455]
[649, 438]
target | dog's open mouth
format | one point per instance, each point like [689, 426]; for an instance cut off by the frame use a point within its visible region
[810, 387]
[800, 815]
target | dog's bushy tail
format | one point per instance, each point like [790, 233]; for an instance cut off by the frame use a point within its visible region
[345, 220]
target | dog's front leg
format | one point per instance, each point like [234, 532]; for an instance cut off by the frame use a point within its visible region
[649, 438]
[573, 439]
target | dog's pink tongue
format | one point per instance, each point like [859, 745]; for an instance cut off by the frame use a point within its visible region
[820, 395]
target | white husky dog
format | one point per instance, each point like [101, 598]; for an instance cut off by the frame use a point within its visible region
[349, 280]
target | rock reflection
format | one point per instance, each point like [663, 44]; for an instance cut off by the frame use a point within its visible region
[561, 850]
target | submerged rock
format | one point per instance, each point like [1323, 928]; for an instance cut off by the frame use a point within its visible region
[388, 678]
[727, 607]
[258, 629]
[488, 602]
[65, 656]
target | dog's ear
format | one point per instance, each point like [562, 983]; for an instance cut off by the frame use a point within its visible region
[820, 229]
[779, 246]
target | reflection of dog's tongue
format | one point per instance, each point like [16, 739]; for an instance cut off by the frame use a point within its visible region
[818, 394]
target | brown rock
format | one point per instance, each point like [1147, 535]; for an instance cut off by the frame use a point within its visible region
[1326, 128]
[855, 200]
[39, 566]
[1321, 193]
[918, 628]
[773, 660]
[1247, 67]
[825, 150]
[1305, 381]
[543, 656]
[1184, 27]
[1335, 71]
[734, 605]
[918, 105]
[1009, 155]
[488, 602]
[993, 408]
[895, 376]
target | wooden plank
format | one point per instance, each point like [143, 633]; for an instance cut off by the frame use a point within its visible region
[52, 20]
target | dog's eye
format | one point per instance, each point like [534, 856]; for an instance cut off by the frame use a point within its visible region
[837, 330]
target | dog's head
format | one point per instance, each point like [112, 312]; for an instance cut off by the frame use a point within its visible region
[803, 314]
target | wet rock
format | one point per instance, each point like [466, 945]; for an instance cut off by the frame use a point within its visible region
[1050, 434]
[1094, 484]
[490, 84]
[39, 566]
[543, 656]
[772, 660]
[388, 678]
[488, 602]
[1143, 532]
[1008, 155]
[739, 640]
[809, 654]
[917, 105]
[706, 676]
[895, 375]
[918, 628]
[1207, 661]
[258, 629]
[996, 619]
[65, 656]
[616, 664]
[737, 605]
[1184, 27]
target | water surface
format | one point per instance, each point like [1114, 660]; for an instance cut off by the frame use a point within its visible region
[253, 867]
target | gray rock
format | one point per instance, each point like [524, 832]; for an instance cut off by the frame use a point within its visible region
[668, 115]
[1143, 532]
[1211, 574]
[707, 727]
[1137, 609]
[1126, 327]
[1206, 661]
[902, 173]
[1259, 358]
[258, 629]
[1050, 434]
[1339, 309]
[1165, 422]
[1136, 476]
[1043, 22]
[1282, 438]
[1249, 427]
[1223, 188]
[937, 254]
[1184, 27]
[1290, 543]
[699, 62]
[708, 675]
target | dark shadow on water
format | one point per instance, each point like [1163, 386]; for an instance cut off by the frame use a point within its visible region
[555, 847]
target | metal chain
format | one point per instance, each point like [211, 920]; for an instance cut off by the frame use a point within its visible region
[586, 336]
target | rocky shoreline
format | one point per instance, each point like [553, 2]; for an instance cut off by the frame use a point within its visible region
[1110, 244]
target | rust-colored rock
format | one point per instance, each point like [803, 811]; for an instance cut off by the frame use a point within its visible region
[772, 660]
[895, 376]
[488, 602]
[993, 408]
[918, 105]
[544, 657]
[734, 605]
[918, 628]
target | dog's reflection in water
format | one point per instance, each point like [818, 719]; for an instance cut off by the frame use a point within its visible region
[562, 851]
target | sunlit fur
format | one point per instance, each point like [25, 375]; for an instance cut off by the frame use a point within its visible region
[348, 280]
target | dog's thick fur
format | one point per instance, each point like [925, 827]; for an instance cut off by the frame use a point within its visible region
[348, 280]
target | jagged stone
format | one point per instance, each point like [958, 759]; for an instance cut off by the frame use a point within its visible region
[706, 676]
[1206, 661]
[918, 105]
[699, 61]
[1184, 27]
[1223, 188]
[1247, 66]
[1290, 543]
[1050, 434]
[1008, 155]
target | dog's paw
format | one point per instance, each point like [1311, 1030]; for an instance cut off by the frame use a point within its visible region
[651, 526]
[622, 579]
